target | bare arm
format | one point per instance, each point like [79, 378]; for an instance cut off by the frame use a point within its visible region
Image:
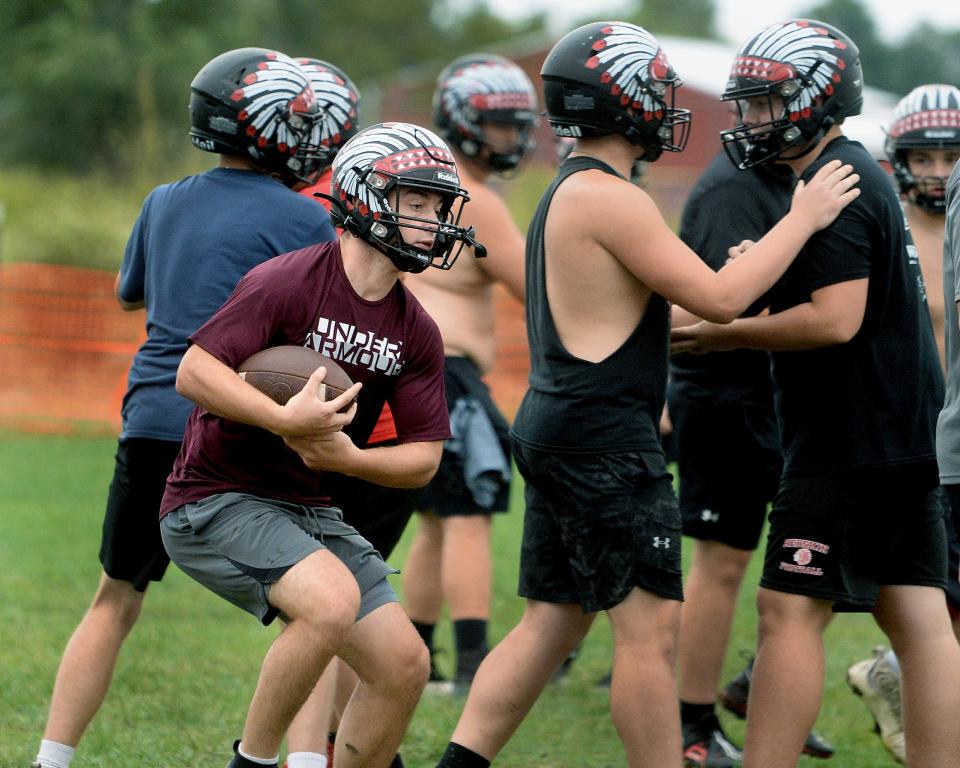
[409, 465]
[216, 387]
[833, 316]
[126, 306]
[504, 242]
[656, 257]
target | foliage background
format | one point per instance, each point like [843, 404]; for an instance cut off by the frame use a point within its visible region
[93, 101]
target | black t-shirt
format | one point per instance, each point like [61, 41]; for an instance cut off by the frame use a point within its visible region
[873, 400]
[574, 405]
[726, 206]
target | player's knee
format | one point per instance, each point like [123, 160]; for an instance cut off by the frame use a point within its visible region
[409, 667]
[119, 602]
[728, 572]
[333, 618]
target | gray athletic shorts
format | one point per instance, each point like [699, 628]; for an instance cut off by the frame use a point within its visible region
[238, 545]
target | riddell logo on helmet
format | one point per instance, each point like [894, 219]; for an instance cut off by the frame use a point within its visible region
[449, 177]
[568, 131]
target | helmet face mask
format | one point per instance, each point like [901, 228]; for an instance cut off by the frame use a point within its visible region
[926, 122]
[480, 91]
[369, 176]
[808, 67]
[256, 104]
[753, 140]
[613, 78]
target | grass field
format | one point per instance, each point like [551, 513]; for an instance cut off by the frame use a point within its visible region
[186, 673]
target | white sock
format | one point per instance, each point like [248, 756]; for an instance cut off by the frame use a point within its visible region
[54, 755]
[306, 760]
[258, 760]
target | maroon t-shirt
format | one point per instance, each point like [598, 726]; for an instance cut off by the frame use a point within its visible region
[304, 298]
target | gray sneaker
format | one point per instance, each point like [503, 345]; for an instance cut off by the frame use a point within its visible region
[877, 682]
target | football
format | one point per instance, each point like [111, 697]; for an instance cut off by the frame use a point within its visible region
[281, 372]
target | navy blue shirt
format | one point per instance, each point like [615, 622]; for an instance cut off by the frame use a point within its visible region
[192, 242]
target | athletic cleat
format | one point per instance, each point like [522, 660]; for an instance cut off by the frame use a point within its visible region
[437, 683]
[733, 698]
[561, 674]
[817, 746]
[705, 745]
[468, 662]
[877, 682]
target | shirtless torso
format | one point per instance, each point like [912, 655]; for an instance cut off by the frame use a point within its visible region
[462, 300]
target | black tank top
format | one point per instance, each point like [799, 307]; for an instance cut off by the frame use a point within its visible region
[574, 405]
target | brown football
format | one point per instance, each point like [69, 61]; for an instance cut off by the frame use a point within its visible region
[281, 372]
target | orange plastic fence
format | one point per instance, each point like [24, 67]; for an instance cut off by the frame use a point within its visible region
[66, 346]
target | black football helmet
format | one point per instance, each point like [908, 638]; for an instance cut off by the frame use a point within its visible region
[813, 68]
[611, 77]
[338, 120]
[381, 159]
[926, 118]
[479, 89]
[257, 104]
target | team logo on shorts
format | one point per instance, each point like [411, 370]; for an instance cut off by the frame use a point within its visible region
[803, 552]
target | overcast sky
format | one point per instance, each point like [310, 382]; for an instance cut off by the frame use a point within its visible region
[736, 19]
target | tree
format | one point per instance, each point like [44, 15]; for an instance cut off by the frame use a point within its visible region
[925, 55]
[94, 82]
[686, 18]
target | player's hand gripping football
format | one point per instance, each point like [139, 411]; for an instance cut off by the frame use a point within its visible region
[307, 415]
[820, 200]
[333, 451]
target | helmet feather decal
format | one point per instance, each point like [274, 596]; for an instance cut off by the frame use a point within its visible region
[275, 86]
[628, 56]
[394, 146]
[793, 49]
[338, 100]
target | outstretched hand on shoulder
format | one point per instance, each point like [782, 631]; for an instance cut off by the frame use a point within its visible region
[821, 200]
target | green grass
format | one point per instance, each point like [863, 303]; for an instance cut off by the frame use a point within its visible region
[187, 671]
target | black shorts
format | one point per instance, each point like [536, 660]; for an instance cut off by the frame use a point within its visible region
[131, 548]
[841, 537]
[474, 474]
[596, 526]
[729, 463]
[378, 513]
[951, 497]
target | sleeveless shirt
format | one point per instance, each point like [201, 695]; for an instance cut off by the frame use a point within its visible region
[574, 405]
